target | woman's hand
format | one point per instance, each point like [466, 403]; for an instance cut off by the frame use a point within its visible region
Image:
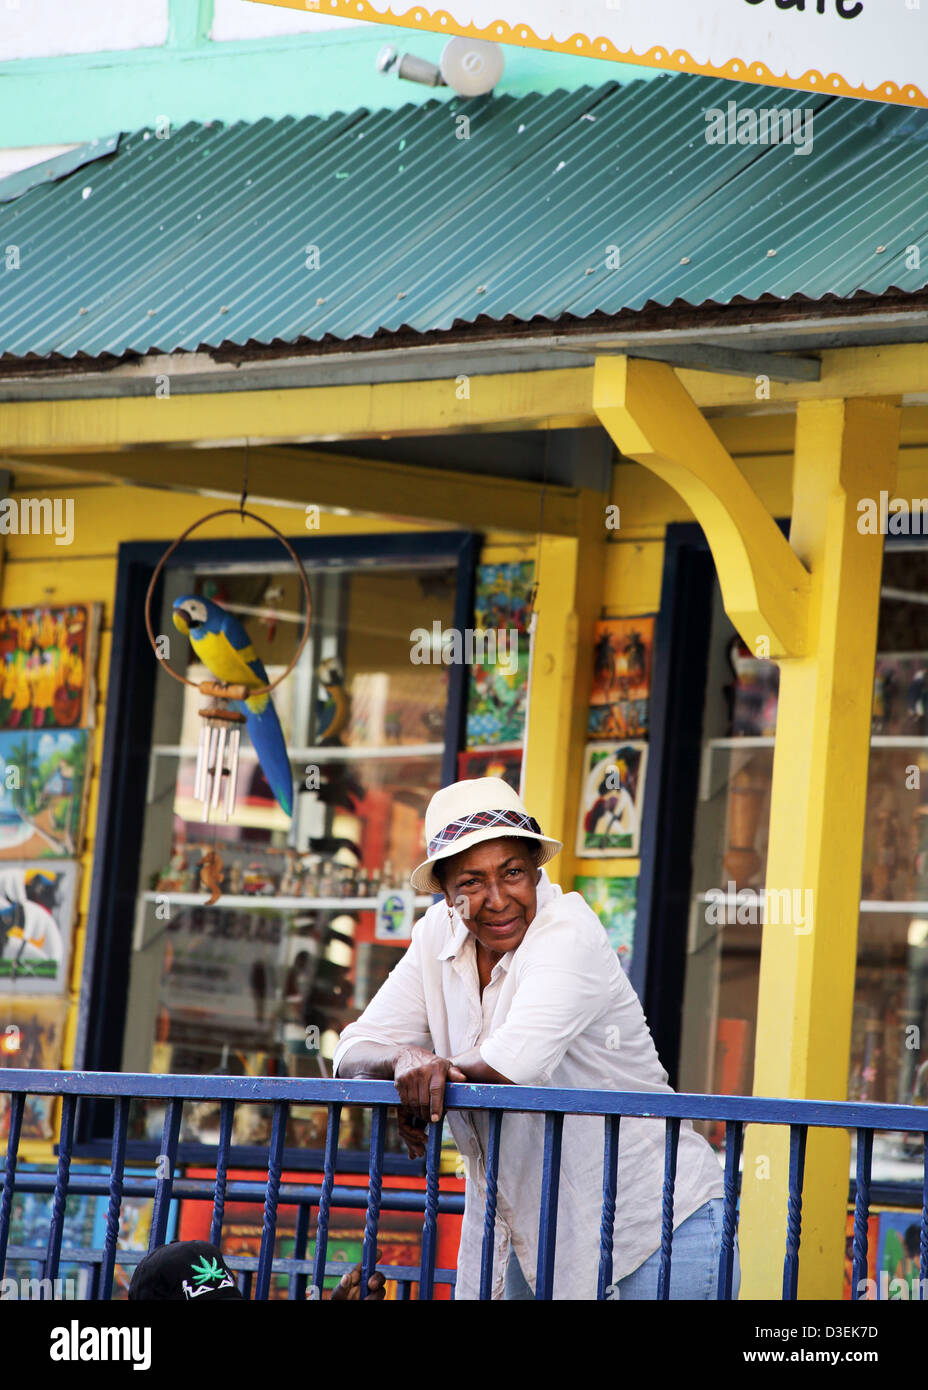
[412, 1132]
[420, 1078]
[348, 1288]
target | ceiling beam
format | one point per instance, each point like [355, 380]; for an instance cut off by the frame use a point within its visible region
[555, 399]
[303, 477]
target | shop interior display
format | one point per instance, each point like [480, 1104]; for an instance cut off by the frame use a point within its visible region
[258, 938]
[890, 1022]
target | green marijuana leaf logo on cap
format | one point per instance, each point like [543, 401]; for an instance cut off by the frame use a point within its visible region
[206, 1270]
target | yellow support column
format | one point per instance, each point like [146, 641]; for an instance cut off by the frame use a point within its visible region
[570, 578]
[813, 605]
[845, 451]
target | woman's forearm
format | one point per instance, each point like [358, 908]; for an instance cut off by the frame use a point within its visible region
[376, 1061]
[476, 1069]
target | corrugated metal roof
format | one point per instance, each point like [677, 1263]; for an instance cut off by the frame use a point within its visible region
[201, 239]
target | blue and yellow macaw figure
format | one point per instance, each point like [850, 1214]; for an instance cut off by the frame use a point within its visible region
[224, 647]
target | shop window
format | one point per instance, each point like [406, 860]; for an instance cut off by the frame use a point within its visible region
[888, 1047]
[262, 980]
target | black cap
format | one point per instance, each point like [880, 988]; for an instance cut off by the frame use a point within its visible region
[185, 1270]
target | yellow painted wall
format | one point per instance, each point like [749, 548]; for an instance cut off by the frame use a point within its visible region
[38, 571]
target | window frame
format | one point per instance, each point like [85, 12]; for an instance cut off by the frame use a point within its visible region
[678, 696]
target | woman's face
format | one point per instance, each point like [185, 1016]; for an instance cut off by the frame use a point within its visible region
[493, 888]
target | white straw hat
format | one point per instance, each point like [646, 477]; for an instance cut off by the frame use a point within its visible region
[467, 813]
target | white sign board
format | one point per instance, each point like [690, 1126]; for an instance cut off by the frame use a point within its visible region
[858, 48]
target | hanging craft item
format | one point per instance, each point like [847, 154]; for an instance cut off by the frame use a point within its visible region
[211, 861]
[240, 692]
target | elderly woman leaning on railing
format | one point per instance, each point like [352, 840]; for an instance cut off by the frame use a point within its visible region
[513, 982]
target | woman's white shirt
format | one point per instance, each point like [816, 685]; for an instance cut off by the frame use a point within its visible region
[558, 1011]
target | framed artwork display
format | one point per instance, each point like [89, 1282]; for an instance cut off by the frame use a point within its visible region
[614, 901]
[43, 785]
[609, 823]
[37, 903]
[898, 1255]
[31, 1035]
[621, 693]
[47, 661]
[499, 670]
[30, 1218]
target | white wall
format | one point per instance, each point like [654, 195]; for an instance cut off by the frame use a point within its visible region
[49, 28]
[245, 19]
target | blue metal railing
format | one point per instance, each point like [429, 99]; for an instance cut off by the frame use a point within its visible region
[378, 1096]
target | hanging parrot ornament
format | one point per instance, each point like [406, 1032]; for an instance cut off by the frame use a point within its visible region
[223, 646]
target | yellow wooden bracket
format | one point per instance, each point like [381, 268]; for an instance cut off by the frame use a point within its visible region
[653, 420]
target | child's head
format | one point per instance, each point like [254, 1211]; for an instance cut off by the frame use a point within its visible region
[184, 1270]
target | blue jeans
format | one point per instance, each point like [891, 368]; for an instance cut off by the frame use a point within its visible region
[694, 1269]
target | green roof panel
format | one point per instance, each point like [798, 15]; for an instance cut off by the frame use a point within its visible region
[541, 208]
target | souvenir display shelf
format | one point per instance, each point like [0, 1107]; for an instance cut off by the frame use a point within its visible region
[322, 754]
[277, 902]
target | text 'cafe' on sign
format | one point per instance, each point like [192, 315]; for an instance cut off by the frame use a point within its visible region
[876, 49]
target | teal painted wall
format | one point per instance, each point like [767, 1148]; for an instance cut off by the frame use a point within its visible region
[48, 101]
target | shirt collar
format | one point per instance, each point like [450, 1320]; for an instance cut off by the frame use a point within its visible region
[459, 936]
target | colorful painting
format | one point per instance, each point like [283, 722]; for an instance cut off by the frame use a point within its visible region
[135, 1214]
[753, 694]
[496, 762]
[614, 901]
[499, 687]
[36, 917]
[47, 657]
[609, 824]
[897, 1255]
[620, 699]
[84, 1229]
[43, 784]
[31, 1036]
[29, 1222]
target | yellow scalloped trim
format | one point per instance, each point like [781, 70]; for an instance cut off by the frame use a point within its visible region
[676, 60]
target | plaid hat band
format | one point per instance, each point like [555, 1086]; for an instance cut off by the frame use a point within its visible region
[481, 820]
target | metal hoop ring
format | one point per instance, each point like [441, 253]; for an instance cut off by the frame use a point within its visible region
[211, 516]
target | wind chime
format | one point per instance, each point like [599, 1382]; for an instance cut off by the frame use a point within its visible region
[218, 747]
[221, 720]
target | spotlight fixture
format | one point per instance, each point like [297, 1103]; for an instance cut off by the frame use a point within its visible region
[471, 67]
[409, 67]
